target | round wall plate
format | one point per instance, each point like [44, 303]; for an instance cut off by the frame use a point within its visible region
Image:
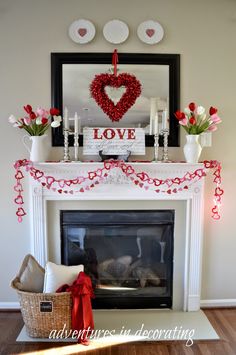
[116, 31]
[150, 32]
[82, 31]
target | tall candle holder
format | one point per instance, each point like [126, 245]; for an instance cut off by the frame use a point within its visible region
[76, 146]
[165, 133]
[66, 145]
[156, 146]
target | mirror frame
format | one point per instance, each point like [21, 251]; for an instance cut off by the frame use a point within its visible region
[172, 60]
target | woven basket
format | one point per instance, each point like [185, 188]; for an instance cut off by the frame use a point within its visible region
[44, 312]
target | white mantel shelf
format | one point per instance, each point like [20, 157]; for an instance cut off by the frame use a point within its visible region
[117, 186]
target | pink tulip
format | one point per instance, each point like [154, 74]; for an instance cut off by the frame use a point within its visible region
[27, 121]
[183, 122]
[212, 128]
[215, 119]
[42, 112]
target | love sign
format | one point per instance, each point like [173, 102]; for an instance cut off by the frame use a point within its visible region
[113, 140]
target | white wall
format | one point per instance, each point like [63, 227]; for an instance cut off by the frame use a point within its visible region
[202, 32]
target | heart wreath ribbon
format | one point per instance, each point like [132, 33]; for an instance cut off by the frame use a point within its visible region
[98, 91]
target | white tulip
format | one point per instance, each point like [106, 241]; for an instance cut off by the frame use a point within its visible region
[187, 111]
[55, 124]
[200, 110]
[57, 118]
[38, 121]
[12, 119]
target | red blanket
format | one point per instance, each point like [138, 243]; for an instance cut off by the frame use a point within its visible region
[82, 316]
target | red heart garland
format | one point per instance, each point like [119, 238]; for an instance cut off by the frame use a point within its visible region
[20, 212]
[19, 200]
[133, 90]
[19, 175]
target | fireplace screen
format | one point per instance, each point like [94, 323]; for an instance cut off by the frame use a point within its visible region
[128, 255]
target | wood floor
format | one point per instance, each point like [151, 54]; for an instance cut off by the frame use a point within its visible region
[223, 320]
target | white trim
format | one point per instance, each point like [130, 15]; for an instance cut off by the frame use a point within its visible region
[9, 305]
[227, 302]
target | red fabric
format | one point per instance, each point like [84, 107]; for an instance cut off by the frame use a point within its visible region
[82, 316]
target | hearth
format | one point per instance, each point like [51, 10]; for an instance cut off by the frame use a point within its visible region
[128, 254]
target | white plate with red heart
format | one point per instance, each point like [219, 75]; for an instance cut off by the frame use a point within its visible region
[82, 31]
[150, 32]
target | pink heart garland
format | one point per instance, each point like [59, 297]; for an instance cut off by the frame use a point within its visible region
[219, 191]
[19, 175]
[50, 180]
[61, 183]
[150, 32]
[143, 176]
[19, 200]
[20, 212]
[18, 188]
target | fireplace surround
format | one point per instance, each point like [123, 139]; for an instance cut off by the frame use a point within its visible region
[119, 189]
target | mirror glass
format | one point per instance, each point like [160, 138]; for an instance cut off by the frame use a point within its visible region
[72, 74]
[77, 98]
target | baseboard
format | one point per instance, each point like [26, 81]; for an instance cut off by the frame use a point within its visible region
[9, 305]
[204, 304]
[228, 302]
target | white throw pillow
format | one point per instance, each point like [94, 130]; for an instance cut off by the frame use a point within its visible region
[58, 275]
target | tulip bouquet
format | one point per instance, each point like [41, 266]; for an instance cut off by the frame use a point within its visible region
[37, 122]
[195, 120]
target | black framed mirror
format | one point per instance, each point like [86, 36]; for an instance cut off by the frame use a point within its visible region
[72, 73]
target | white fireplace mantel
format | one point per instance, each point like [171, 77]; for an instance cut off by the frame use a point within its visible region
[118, 187]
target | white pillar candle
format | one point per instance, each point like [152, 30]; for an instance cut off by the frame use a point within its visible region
[65, 119]
[156, 124]
[77, 119]
[164, 120]
[153, 111]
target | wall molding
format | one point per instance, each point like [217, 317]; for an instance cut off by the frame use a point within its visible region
[9, 305]
[227, 302]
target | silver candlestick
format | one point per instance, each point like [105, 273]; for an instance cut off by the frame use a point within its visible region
[76, 146]
[165, 133]
[66, 145]
[156, 146]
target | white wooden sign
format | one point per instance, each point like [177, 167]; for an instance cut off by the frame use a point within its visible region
[113, 140]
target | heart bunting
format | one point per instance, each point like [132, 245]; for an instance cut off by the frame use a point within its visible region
[139, 179]
[98, 91]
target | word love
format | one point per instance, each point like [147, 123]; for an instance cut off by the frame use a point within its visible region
[113, 141]
[110, 133]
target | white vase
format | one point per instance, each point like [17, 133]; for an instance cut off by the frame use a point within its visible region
[37, 147]
[192, 149]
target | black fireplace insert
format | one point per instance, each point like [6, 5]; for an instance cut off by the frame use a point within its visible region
[127, 253]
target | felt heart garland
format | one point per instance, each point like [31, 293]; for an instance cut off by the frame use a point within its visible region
[141, 179]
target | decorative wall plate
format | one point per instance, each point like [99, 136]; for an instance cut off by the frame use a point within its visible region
[150, 32]
[116, 31]
[82, 31]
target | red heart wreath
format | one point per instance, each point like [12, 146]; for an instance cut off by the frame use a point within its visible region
[133, 90]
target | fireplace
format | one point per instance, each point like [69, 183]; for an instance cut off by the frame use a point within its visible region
[117, 192]
[128, 255]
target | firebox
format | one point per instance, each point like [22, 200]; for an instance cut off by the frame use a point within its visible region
[127, 253]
